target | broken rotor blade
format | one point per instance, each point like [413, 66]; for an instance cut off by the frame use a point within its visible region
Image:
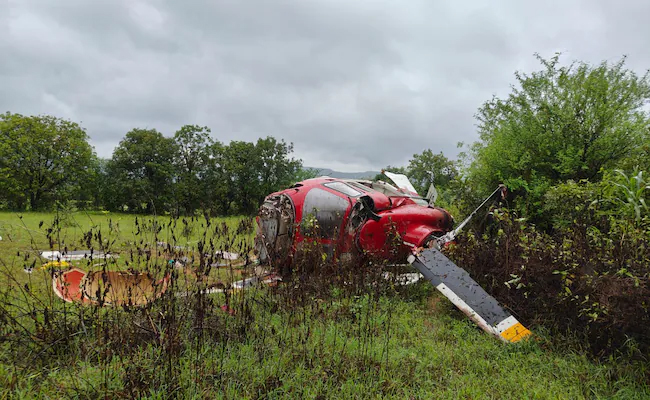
[456, 284]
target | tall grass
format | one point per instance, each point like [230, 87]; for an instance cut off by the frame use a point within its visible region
[331, 330]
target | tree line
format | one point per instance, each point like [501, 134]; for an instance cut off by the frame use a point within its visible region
[561, 124]
[564, 123]
[45, 161]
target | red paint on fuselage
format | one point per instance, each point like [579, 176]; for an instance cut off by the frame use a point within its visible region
[412, 224]
[402, 228]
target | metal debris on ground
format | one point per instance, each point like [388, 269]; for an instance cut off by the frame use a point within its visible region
[114, 288]
[74, 255]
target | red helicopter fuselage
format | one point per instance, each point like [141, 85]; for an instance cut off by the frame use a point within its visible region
[348, 218]
[352, 219]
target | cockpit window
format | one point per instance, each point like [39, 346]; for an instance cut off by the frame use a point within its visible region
[343, 188]
[357, 185]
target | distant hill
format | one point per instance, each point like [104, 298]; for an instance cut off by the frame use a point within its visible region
[345, 175]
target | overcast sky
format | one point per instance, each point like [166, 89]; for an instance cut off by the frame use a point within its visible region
[355, 85]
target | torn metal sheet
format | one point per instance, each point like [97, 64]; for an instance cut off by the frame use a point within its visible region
[405, 279]
[74, 255]
[247, 283]
[243, 284]
[402, 182]
[67, 285]
[233, 260]
[115, 288]
[228, 259]
[226, 255]
[456, 284]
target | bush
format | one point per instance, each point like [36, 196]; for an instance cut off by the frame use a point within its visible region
[590, 277]
[570, 203]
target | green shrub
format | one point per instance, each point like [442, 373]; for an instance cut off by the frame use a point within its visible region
[569, 203]
[591, 276]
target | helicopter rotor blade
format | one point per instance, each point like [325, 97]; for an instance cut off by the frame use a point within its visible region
[456, 284]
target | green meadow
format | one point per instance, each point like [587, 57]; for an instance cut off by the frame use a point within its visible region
[308, 339]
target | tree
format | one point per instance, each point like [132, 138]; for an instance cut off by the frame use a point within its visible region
[305, 173]
[560, 123]
[276, 169]
[242, 185]
[217, 182]
[42, 159]
[141, 172]
[427, 168]
[193, 144]
[90, 194]
[250, 171]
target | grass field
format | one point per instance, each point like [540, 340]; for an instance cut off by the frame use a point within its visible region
[312, 339]
[26, 234]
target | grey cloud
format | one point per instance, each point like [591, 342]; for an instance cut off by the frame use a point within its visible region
[355, 85]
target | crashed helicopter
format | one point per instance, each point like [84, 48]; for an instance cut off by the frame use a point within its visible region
[351, 219]
[356, 218]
